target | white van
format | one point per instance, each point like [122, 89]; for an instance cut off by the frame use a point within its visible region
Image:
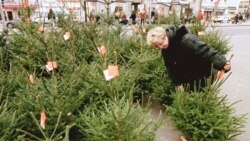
[40, 16]
[12, 18]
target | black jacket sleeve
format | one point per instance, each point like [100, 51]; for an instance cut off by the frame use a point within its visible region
[201, 49]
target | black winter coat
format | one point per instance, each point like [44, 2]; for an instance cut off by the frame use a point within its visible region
[189, 60]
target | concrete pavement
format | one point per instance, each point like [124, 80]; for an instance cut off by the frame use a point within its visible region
[247, 23]
[237, 86]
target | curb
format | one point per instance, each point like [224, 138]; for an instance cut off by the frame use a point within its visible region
[232, 25]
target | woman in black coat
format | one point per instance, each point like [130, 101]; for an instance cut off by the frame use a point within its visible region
[188, 60]
[133, 17]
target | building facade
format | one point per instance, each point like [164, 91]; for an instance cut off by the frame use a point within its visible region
[182, 7]
[11, 9]
[244, 6]
[216, 8]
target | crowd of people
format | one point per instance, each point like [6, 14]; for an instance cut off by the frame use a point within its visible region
[238, 18]
[141, 16]
[136, 17]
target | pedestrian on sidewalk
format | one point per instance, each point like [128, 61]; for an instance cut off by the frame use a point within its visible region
[133, 17]
[153, 15]
[236, 19]
[240, 18]
[117, 14]
[123, 19]
[51, 17]
[188, 60]
[142, 16]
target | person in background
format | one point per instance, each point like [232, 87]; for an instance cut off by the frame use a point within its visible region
[51, 17]
[153, 15]
[133, 17]
[240, 18]
[123, 19]
[142, 15]
[188, 60]
[92, 16]
[117, 15]
[236, 19]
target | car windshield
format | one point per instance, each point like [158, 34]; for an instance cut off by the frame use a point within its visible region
[42, 14]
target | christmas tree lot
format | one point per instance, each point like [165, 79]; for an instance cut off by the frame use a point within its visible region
[87, 81]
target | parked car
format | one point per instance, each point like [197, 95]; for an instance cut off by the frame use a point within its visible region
[221, 19]
[11, 17]
[12, 23]
[41, 16]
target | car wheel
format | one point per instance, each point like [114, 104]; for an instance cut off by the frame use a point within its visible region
[10, 25]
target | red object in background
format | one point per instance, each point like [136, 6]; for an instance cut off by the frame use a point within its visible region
[12, 6]
[26, 4]
[216, 1]
[200, 15]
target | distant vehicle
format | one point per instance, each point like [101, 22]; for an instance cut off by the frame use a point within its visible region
[221, 19]
[12, 23]
[12, 18]
[40, 16]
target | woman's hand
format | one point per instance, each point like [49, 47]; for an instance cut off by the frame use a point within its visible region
[227, 66]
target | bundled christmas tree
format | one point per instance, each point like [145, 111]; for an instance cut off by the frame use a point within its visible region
[206, 115]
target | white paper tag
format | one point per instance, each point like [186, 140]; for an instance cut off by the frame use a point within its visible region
[48, 68]
[201, 33]
[102, 50]
[107, 76]
[99, 49]
[66, 37]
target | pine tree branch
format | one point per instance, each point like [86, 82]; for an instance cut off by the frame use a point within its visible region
[58, 120]
[31, 135]
[41, 130]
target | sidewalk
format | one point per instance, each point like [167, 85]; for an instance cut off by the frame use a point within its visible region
[230, 24]
[247, 23]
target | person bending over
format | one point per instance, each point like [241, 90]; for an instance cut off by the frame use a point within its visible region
[188, 60]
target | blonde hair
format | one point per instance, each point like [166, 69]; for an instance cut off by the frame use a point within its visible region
[156, 35]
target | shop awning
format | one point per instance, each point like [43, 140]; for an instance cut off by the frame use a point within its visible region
[12, 6]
